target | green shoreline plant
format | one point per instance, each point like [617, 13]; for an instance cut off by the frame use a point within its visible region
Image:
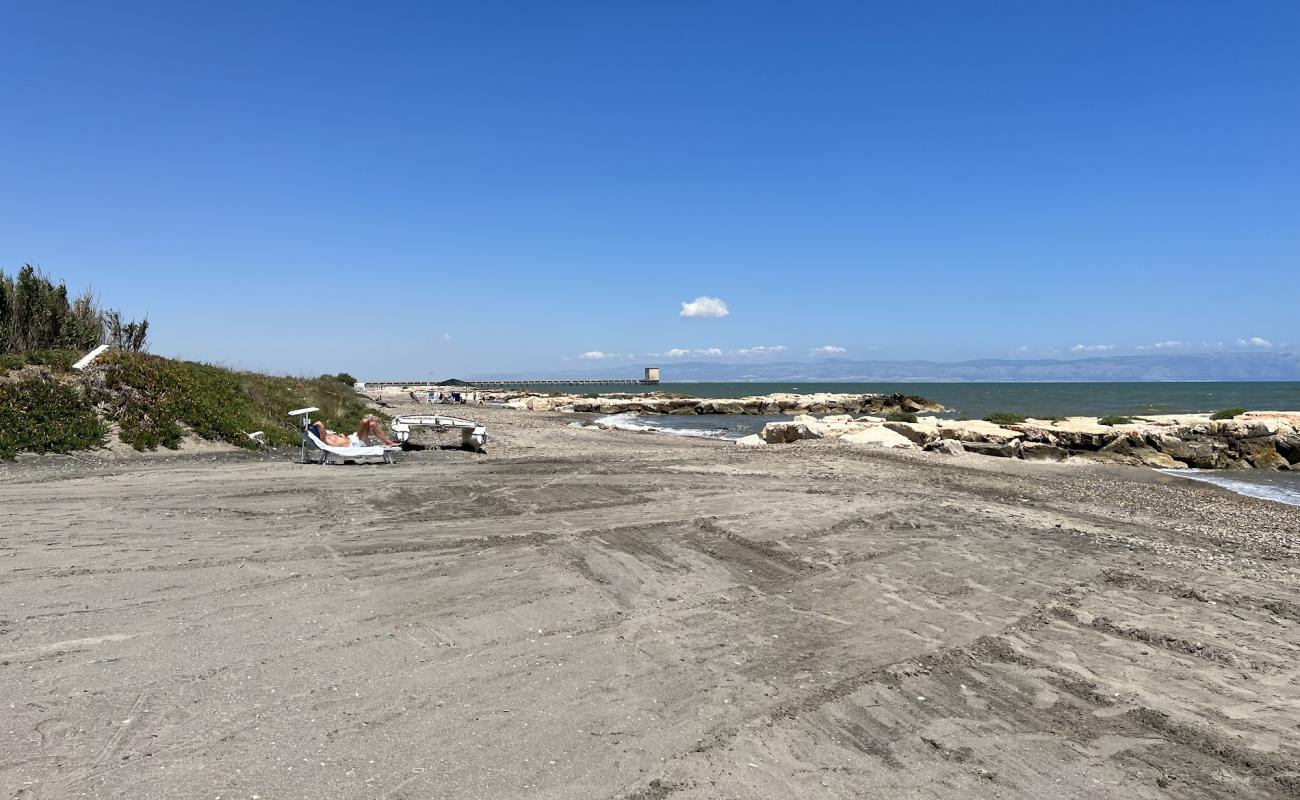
[44, 415]
[1228, 413]
[900, 416]
[1004, 418]
[156, 401]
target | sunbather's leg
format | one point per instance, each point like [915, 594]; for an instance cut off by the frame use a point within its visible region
[370, 427]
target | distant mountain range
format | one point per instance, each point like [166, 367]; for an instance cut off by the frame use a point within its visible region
[1190, 367]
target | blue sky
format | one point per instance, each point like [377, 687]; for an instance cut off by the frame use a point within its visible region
[450, 188]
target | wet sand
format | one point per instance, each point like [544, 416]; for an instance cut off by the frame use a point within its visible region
[600, 614]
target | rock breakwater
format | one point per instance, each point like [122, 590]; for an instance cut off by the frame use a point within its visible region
[661, 403]
[1254, 440]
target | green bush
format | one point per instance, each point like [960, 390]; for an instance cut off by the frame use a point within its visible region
[900, 416]
[154, 400]
[1004, 418]
[37, 314]
[343, 377]
[56, 360]
[1114, 419]
[1228, 413]
[41, 415]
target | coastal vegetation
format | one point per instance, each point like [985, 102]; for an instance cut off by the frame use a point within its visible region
[1228, 413]
[156, 401]
[37, 315]
[1004, 418]
[1115, 419]
[44, 415]
[900, 416]
[149, 401]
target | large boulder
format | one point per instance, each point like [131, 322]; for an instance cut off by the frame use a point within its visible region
[916, 432]
[1041, 451]
[727, 407]
[1000, 449]
[948, 447]
[786, 432]
[1262, 454]
[879, 436]
[1150, 457]
[1199, 453]
[752, 440]
[976, 431]
[1247, 428]
[1103, 457]
[1288, 446]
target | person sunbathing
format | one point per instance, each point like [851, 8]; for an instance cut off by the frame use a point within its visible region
[369, 426]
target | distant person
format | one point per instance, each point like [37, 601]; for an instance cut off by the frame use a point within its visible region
[414, 399]
[369, 426]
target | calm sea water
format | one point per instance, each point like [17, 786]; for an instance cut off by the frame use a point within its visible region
[974, 400]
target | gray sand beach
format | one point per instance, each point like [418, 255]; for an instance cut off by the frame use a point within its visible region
[603, 614]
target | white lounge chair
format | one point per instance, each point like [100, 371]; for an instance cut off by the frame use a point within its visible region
[312, 444]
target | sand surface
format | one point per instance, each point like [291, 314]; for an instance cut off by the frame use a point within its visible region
[601, 614]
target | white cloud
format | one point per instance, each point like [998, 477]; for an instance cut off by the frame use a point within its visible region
[1025, 349]
[595, 355]
[1092, 348]
[761, 350]
[1254, 341]
[446, 337]
[1171, 344]
[705, 308]
[682, 352]
[827, 350]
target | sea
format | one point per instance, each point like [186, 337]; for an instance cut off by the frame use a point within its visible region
[1042, 400]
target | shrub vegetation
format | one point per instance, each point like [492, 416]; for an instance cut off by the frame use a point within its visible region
[1114, 419]
[1228, 413]
[900, 416]
[1004, 418]
[42, 415]
[37, 315]
[154, 400]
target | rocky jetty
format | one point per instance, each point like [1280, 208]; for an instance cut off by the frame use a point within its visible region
[663, 403]
[1254, 440]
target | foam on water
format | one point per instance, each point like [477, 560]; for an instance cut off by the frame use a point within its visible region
[1280, 487]
[634, 422]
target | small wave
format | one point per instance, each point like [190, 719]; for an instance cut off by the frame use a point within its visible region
[1272, 488]
[630, 422]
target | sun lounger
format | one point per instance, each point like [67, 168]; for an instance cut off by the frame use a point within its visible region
[311, 444]
[328, 451]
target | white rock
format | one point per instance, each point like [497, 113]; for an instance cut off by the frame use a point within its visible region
[784, 432]
[752, 440]
[879, 436]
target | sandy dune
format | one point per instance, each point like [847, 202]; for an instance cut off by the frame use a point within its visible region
[600, 614]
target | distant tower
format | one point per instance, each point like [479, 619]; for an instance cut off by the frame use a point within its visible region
[651, 375]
